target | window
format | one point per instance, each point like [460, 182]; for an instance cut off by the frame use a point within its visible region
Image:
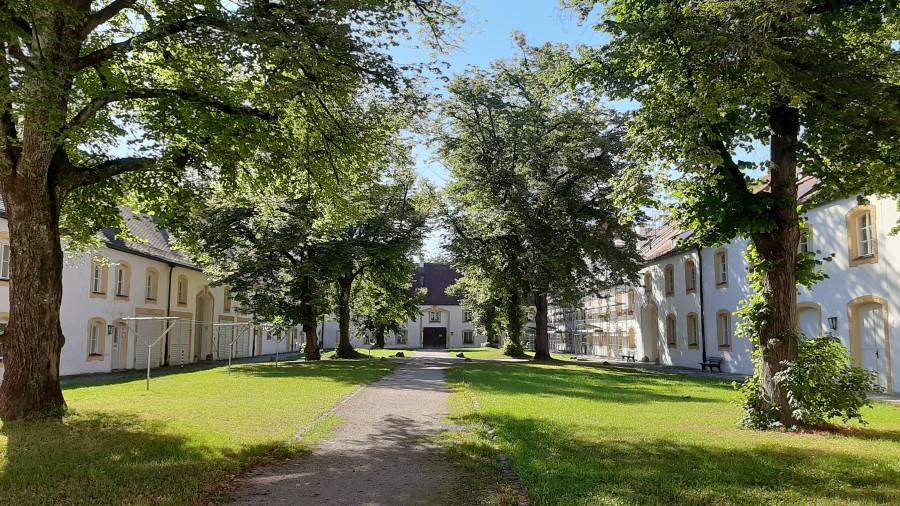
[99, 273]
[648, 283]
[630, 301]
[4, 261]
[434, 317]
[693, 330]
[123, 280]
[806, 239]
[227, 300]
[150, 289]
[862, 235]
[864, 241]
[96, 333]
[182, 290]
[723, 328]
[670, 280]
[529, 316]
[468, 337]
[690, 276]
[631, 338]
[467, 316]
[671, 328]
[619, 303]
[721, 268]
[401, 337]
[96, 282]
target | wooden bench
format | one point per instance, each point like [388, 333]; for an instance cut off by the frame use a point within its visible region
[628, 355]
[711, 362]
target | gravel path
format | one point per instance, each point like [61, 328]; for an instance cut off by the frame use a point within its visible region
[376, 457]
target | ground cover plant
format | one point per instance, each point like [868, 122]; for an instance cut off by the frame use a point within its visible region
[485, 353]
[177, 443]
[582, 434]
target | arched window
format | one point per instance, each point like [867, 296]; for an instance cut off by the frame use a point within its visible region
[806, 239]
[99, 278]
[671, 331]
[690, 276]
[723, 329]
[620, 306]
[151, 285]
[123, 281]
[693, 330]
[630, 301]
[182, 290]
[721, 266]
[96, 337]
[862, 235]
[670, 280]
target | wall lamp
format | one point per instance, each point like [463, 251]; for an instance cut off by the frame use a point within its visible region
[832, 322]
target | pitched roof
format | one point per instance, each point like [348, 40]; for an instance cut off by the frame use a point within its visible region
[436, 278]
[158, 244]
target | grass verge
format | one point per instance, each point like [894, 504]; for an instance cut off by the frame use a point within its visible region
[579, 434]
[178, 443]
[484, 353]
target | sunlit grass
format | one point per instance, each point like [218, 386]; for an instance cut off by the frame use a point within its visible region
[580, 434]
[483, 353]
[178, 442]
[376, 352]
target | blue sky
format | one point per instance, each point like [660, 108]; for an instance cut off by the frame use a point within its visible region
[490, 23]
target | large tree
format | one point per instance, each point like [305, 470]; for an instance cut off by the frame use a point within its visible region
[814, 80]
[168, 86]
[379, 246]
[531, 159]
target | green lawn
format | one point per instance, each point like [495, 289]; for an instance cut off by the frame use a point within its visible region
[485, 353]
[376, 352]
[580, 434]
[178, 443]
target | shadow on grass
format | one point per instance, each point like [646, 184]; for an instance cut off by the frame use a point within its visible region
[103, 458]
[559, 468]
[344, 371]
[608, 384]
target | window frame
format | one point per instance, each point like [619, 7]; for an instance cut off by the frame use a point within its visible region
[693, 330]
[724, 333]
[467, 315]
[99, 279]
[96, 345]
[690, 276]
[721, 268]
[181, 290]
[4, 261]
[672, 331]
[854, 232]
[669, 277]
[471, 336]
[806, 240]
[434, 316]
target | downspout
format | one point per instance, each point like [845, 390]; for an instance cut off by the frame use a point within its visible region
[700, 286]
[168, 313]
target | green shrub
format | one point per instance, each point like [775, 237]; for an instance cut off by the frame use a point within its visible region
[513, 349]
[822, 384]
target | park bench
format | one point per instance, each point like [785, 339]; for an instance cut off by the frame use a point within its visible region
[628, 354]
[711, 362]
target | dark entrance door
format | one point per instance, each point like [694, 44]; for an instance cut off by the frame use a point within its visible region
[434, 337]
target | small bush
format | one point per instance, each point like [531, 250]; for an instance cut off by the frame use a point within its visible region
[513, 349]
[822, 384]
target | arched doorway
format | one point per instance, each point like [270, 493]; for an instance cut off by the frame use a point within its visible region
[203, 332]
[870, 337]
[650, 331]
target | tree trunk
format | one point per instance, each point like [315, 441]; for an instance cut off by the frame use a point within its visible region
[778, 247]
[33, 339]
[344, 348]
[311, 350]
[379, 336]
[514, 318]
[541, 338]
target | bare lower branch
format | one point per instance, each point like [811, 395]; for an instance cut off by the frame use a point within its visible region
[77, 177]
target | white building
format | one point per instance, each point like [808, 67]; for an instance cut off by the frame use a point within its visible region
[441, 323]
[684, 309]
[147, 280]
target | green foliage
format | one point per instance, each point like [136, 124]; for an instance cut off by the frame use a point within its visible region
[822, 384]
[514, 349]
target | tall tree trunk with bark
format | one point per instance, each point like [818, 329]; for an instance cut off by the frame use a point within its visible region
[514, 318]
[311, 350]
[33, 339]
[778, 338]
[344, 348]
[541, 338]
